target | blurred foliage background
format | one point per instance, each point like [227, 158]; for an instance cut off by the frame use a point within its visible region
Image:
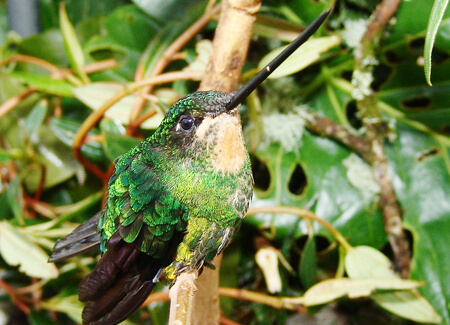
[50, 82]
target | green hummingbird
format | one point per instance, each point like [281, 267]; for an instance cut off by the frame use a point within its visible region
[174, 201]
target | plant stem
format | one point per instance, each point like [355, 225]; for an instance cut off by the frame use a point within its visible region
[303, 213]
[181, 297]
[375, 132]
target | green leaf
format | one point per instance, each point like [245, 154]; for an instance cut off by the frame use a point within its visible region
[65, 130]
[77, 10]
[420, 167]
[17, 249]
[364, 262]
[303, 57]
[14, 195]
[131, 28]
[112, 127]
[329, 290]
[69, 305]
[71, 44]
[116, 142]
[407, 25]
[327, 189]
[5, 156]
[45, 83]
[308, 263]
[96, 94]
[437, 13]
[33, 121]
[408, 304]
[115, 146]
[3, 24]
[48, 46]
[171, 30]
[40, 318]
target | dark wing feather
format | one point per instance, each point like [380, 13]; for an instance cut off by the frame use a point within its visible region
[121, 282]
[82, 239]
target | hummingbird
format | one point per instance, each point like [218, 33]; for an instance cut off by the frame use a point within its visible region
[173, 202]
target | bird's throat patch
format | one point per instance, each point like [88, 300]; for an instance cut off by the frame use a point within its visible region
[225, 142]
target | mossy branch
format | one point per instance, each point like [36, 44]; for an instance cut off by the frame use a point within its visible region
[376, 132]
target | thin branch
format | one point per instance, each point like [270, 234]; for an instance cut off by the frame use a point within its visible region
[100, 66]
[327, 127]
[241, 294]
[15, 298]
[11, 103]
[227, 321]
[303, 213]
[375, 133]
[274, 302]
[181, 297]
[53, 69]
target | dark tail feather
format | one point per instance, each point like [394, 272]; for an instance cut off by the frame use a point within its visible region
[119, 302]
[117, 259]
[118, 285]
[83, 238]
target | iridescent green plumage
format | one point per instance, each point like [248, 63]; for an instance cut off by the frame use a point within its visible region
[168, 184]
[174, 202]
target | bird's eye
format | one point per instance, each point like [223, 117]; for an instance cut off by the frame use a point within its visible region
[187, 123]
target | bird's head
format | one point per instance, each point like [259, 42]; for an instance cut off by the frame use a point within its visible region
[201, 129]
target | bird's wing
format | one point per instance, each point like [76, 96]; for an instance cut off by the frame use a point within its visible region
[141, 228]
[83, 238]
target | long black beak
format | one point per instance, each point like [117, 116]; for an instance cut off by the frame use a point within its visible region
[262, 75]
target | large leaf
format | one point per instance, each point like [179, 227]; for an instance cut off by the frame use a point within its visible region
[303, 57]
[407, 92]
[77, 10]
[405, 25]
[328, 191]
[329, 290]
[17, 249]
[364, 262]
[96, 94]
[421, 175]
[65, 129]
[48, 46]
[130, 27]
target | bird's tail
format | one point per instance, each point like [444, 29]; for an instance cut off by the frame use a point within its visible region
[119, 284]
[82, 239]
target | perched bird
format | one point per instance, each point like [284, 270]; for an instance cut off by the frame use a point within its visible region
[174, 201]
